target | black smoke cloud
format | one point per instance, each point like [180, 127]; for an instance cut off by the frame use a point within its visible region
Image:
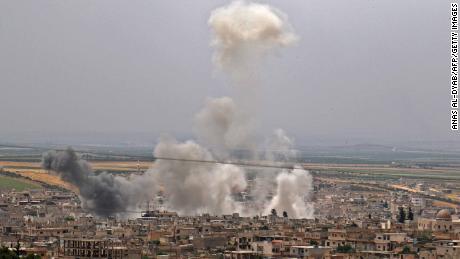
[104, 194]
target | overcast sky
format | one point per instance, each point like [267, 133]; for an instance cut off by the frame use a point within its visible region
[371, 70]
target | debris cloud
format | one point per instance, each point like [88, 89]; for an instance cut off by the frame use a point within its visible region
[243, 33]
[221, 126]
[104, 193]
[191, 188]
[244, 30]
[289, 197]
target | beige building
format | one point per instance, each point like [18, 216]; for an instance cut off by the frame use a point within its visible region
[97, 248]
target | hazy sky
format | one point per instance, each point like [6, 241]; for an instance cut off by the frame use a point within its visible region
[369, 69]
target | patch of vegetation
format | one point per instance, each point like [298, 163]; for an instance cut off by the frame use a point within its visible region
[6, 253]
[69, 218]
[424, 237]
[345, 249]
[406, 250]
[154, 242]
[16, 183]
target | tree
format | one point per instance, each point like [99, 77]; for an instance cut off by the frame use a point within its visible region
[402, 215]
[425, 237]
[385, 204]
[345, 248]
[6, 253]
[285, 214]
[18, 247]
[154, 242]
[406, 250]
[69, 218]
[410, 214]
[264, 227]
[274, 213]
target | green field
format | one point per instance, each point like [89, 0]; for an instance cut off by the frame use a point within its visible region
[16, 183]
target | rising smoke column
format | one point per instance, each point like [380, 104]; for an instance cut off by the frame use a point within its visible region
[223, 127]
[289, 197]
[280, 147]
[289, 189]
[245, 31]
[103, 194]
[243, 34]
[192, 188]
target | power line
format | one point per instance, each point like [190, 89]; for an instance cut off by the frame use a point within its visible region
[280, 165]
[240, 163]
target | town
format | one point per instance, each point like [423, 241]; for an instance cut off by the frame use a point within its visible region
[351, 220]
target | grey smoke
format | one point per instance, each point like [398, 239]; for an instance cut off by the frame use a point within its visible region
[280, 147]
[243, 33]
[192, 188]
[289, 189]
[293, 188]
[104, 193]
[221, 126]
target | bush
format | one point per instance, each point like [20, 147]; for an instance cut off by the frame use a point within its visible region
[6, 253]
[345, 249]
[154, 242]
[406, 250]
[69, 218]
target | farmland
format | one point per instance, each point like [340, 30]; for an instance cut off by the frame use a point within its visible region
[18, 184]
[34, 172]
[379, 171]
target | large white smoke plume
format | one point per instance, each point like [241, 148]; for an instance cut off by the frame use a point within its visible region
[196, 187]
[290, 187]
[223, 127]
[243, 33]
